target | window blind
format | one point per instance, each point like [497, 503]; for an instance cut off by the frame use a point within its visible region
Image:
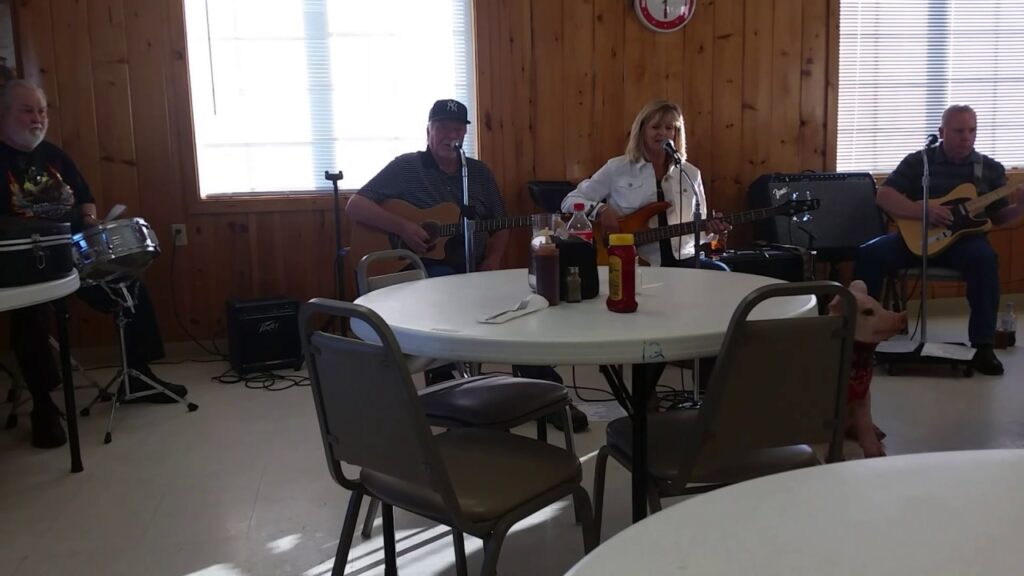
[902, 63]
[284, 90]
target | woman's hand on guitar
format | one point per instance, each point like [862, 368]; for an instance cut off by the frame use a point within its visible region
[415, 237]
[716, 225]
[939, 215]
[609, 221]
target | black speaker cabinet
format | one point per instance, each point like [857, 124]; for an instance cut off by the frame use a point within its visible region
[847, 218]
[263, 335]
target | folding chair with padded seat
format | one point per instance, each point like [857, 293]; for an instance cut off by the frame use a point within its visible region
[478, 481]
[488, 401]
[778, 385]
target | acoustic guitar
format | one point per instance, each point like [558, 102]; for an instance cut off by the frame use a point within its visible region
[637, 222]
[440, 222]
[968, 217]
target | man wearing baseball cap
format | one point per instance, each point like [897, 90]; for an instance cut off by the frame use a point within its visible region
[431, 177]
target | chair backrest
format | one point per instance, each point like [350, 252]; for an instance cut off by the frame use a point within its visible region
[366, 283]
[369, 412]
[778, 382]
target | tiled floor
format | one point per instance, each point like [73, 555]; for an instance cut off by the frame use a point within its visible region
[240, 487]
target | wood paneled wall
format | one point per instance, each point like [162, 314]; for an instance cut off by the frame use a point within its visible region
[559, 82]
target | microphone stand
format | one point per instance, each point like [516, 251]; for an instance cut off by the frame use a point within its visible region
[467, 224]
[339, 252]
[925, 196]
[678, 160]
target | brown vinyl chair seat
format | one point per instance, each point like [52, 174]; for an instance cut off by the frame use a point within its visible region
[665, 432]
[493, 473]
[493, 401]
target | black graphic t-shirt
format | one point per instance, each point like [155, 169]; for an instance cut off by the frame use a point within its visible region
[43, 183]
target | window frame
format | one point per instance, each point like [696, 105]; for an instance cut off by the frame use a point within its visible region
[181, 114]
[832, 100]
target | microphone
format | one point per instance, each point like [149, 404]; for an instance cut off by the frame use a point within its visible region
[670, 148]
[931, 140]
[455, 145]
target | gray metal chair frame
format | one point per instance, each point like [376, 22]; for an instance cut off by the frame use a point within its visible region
[777, 386]
[895, 297]
[361, 386]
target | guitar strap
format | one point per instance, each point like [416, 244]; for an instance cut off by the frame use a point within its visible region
[979, 183]
[665, 246]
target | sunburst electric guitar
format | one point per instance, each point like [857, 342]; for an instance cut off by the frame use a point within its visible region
[968, 217]
[637, 222]
[440, 222]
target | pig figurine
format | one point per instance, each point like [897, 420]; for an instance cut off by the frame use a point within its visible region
[874, 324]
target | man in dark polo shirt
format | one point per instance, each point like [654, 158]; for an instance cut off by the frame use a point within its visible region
[431, 177]
[952, 163]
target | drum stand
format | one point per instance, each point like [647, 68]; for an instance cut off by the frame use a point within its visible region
[126, 300]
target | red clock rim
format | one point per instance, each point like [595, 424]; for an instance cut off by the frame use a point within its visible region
[673, 24]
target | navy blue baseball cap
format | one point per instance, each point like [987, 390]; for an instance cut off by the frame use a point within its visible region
[449, 110]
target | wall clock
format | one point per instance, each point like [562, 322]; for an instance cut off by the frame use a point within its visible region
[664, 15]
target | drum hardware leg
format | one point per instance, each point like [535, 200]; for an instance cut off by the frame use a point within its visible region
[126, 374]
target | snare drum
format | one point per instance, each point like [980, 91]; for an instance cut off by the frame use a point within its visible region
[114, 249]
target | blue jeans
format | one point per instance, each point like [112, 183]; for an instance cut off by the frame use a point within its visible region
[972, 256]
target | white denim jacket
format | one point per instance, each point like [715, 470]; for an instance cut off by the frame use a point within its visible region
[627, 186]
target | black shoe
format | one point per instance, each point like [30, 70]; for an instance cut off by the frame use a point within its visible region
[579, 420]
[986, 362]
[47, 431]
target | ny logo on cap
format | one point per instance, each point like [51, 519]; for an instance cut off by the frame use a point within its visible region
[453, 106]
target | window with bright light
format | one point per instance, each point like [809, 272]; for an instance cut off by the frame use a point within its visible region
[284, 90]
[901, 63]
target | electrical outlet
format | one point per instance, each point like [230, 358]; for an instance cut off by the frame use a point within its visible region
[180, 233]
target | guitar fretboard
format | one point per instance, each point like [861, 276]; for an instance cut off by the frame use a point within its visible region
[686, 228]
[978, 204]
[489, 225]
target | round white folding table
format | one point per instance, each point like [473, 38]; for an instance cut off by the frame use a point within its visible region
[683, 314]
[54, 291]
[947, 513]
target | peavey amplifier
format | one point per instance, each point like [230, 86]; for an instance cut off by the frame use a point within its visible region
[263, 335]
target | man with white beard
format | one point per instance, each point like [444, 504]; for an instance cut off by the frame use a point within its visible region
[41, 182]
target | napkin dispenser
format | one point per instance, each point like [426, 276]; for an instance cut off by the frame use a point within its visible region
[573, 251]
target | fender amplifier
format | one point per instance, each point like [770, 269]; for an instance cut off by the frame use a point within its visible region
[847, 218]
[263, 335]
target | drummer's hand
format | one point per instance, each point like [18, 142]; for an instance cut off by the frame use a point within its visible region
[89, 221]
[716, 225]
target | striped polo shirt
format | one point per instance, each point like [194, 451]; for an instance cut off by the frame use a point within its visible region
[946, 174]
[417, 179]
